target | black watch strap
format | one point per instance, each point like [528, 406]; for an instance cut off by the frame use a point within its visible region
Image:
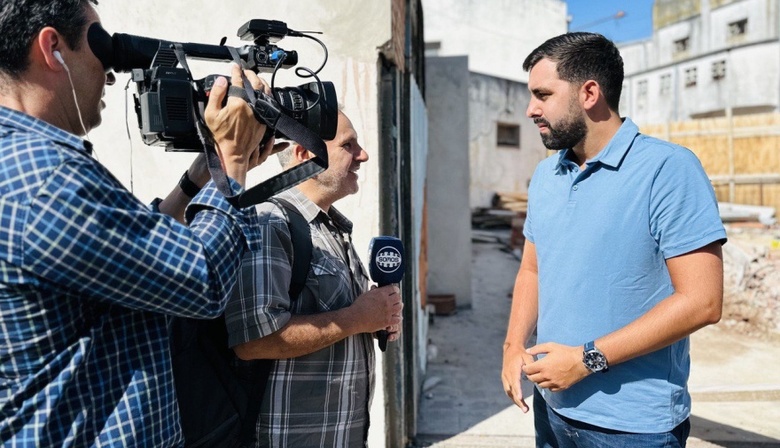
[187, 186]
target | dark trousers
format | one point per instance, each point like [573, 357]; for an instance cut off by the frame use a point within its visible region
[556, 431]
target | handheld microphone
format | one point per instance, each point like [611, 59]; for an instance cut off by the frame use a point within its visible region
[386, 266]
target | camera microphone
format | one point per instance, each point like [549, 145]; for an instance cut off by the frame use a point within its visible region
[386, 266]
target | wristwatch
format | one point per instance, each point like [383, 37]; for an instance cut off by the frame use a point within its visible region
[594, 360]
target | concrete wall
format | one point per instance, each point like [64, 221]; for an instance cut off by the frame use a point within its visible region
[760, 14]
[636, 55]
[495, 168]
[496, 35]
[449, 214]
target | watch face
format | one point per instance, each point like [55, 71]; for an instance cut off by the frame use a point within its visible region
[594, 361]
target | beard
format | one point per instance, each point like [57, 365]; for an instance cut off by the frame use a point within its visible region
[335, 185]
[566, 134]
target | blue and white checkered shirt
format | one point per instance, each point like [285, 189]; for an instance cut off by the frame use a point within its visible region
[88, 275]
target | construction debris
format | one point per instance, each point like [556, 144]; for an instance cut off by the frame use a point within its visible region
[751, 265]
[517, 202]
[508, 211]
[730, 212]
[489, 218]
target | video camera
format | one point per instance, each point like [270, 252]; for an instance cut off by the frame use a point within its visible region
[169, 100]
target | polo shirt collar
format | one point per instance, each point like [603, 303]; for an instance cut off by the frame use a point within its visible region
[26, 123]
[565, 161]
[613, 153]
[618, 146]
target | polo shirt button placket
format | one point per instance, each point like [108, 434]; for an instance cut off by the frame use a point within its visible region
[575, 188]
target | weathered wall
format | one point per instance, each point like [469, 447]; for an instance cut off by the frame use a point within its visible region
[497, 168]
[449, 214]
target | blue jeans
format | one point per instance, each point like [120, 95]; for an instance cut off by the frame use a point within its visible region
[556, 431]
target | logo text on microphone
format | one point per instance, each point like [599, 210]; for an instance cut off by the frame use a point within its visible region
[388, 259]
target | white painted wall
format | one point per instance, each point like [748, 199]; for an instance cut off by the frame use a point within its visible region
[496, 35]
[354, 29]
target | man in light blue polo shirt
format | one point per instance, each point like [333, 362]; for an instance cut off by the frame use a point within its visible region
[622, 262]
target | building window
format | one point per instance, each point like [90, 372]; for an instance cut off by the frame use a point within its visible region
[738, 28]
[681, 46]
[690, 77]
[718, 70]
[508, 135]
[666, 84]
[432, 48]
[641, 88]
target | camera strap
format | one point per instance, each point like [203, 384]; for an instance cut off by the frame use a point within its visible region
[265, 111]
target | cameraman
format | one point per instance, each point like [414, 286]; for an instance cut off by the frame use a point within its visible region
[88, 274]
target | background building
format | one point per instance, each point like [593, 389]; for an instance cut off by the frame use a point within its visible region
[709, 79]
[706, 58]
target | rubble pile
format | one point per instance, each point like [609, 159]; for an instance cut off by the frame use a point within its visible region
[751, 268]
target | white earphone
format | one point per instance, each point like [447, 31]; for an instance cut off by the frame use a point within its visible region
[58, 56]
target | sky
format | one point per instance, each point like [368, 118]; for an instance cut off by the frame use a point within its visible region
[597, 16]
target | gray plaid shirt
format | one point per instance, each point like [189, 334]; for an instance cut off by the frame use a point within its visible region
[321, 399]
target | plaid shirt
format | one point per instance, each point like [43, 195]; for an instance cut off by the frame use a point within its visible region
[320, 399]
[86, 273]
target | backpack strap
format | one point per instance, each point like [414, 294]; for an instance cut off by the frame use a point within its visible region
[301, 242]
[261, 370]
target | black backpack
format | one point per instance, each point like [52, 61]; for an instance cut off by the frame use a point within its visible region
[219, 395]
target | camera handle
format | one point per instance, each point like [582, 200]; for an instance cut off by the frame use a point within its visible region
[268, 113]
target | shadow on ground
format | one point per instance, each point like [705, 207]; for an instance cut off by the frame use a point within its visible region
[728, 436]
[464, 404]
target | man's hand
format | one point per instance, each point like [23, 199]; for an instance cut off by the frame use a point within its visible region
[394, 332]
[559, 369]
[379, 309]
[236, 131]
[307, 333]
[511, 374]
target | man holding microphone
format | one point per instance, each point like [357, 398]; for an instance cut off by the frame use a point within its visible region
[321, 383]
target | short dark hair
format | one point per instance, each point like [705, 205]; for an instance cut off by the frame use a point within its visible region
[583, 56]
[21, 20]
